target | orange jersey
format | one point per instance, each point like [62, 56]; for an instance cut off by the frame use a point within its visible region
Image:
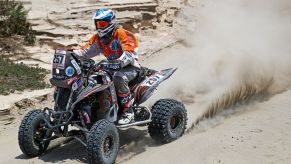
[122, 40]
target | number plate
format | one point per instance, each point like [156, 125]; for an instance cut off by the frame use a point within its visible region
[59, 61]
[152, 80]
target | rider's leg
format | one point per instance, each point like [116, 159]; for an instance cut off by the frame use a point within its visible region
[121, 79]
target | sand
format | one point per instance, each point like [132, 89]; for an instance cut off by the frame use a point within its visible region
[259, 134]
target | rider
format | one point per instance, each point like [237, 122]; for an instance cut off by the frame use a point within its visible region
[116, 44]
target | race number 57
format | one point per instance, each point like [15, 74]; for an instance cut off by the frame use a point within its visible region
[59, 60]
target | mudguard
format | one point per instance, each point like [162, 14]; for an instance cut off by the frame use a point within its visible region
[89, 90]
[146, 87]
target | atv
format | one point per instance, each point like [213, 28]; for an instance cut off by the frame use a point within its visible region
[86, 108]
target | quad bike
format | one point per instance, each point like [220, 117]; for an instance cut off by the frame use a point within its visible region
[86, 108]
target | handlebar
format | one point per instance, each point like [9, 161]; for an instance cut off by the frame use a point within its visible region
[105, 65]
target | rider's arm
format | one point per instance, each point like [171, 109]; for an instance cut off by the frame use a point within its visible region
[129, 44]
[90, 49]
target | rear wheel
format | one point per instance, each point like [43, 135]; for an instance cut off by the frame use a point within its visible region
[103, 143]
[169, 120]
[32, 133]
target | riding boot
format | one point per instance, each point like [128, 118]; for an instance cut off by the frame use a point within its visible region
[126, 102]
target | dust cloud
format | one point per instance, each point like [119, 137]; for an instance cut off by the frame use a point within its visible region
[236, 51]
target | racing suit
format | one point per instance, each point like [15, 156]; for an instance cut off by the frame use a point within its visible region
[121, 46]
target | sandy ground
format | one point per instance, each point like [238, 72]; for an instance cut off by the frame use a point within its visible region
[218, 56]
[258, 134]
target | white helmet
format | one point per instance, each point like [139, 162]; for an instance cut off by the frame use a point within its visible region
[105, 21]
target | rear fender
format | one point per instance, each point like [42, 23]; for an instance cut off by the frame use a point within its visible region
[146, 88]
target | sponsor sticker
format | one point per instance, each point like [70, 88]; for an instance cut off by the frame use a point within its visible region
[79, 82]
[153, 79]
[77, 67]
[70, 71]
[75, 86]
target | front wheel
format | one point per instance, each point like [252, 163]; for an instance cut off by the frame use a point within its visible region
[169, 120]
[32, 133]
[103, 143]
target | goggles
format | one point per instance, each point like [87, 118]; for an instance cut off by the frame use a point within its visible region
[101, 24]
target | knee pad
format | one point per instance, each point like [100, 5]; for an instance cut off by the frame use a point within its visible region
[120, 84]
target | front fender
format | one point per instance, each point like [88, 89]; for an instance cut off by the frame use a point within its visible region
[90, 91]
